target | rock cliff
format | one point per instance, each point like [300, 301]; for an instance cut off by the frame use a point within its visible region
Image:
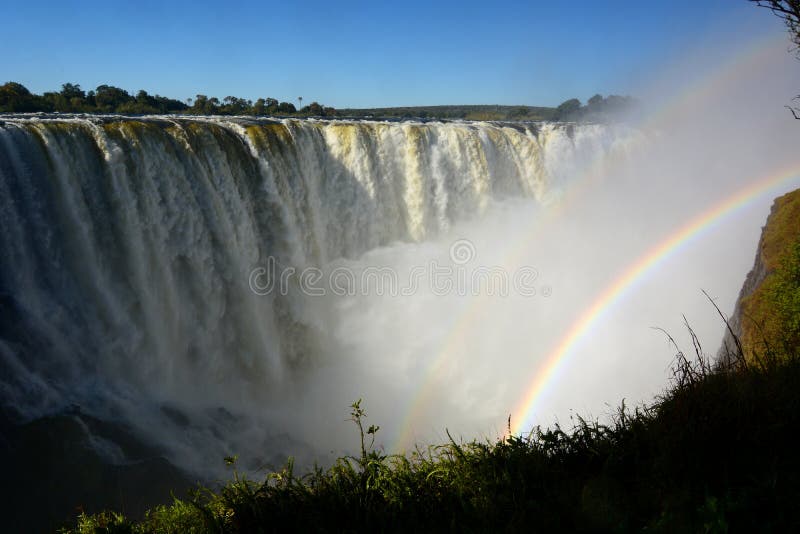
[754, 319]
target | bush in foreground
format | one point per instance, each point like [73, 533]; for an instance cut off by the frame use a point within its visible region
[712, 454]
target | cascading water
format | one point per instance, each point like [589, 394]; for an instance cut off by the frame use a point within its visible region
[127, 244]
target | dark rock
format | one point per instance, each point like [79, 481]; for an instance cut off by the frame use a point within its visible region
[61, 465]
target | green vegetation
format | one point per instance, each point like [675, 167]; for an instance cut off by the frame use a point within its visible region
[598, 108]
[771, 313]
[488, 113]
[712, 454]
[783, 293]
[15, 97]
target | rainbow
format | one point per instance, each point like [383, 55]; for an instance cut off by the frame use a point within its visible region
[742, 64]
[627, 280]
[464, 321]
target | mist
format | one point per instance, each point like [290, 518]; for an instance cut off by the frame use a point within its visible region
[133, 298]
[425, 363]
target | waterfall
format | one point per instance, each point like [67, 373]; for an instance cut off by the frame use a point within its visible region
[126, 245]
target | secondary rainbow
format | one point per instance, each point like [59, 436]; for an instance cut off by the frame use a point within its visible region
[700, 91]
[523, 415]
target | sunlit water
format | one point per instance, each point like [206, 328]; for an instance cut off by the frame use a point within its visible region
[129, 248]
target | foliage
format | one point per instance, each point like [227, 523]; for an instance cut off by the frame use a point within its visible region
[783, 296]
[317, 110]
[109, 98]
[712, 454]
[771, 312]
[597, 108]
[568, 108]
[473, 112]
[15, 97]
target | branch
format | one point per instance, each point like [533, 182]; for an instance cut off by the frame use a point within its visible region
[789, 12]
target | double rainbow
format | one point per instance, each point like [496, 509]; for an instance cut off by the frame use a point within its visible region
[634, 273]
[701, 91]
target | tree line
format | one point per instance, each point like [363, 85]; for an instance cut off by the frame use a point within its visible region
[482, 112]
[597, 108]
[15, 97]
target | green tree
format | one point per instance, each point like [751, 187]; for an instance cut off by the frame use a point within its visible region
[204, 105]
[16, 97]
[200, 103]
[286, 107]
[143, 98]
[313, 109]
[142, 104]
[235, 106]
[260, 108]
[70, 91]
[56, 101]
[169, 105]
[109, 98]
[568, 109]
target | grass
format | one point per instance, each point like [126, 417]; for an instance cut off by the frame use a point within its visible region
[766, 312]
[712, 454]
[716, 452]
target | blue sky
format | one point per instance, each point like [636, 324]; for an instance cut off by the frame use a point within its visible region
[366, 54]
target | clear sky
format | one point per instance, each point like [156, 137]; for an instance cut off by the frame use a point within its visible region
[363, 54]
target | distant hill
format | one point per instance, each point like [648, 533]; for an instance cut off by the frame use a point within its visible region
[597, 109]
[475, 112]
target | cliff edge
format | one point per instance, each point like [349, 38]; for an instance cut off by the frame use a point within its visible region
[766, 301]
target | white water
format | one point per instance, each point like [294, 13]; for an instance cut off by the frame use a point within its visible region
[127, 249]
